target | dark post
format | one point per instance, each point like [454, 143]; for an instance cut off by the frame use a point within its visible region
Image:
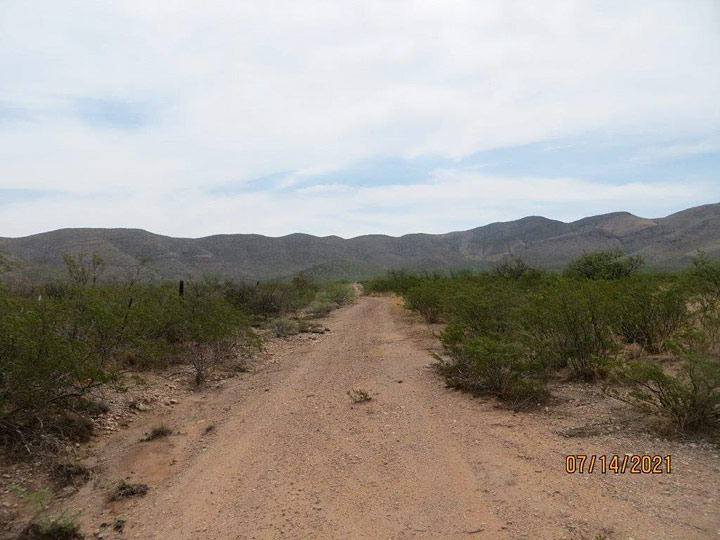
[181, 288]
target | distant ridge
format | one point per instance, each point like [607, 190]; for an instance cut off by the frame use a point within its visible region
[666, 243]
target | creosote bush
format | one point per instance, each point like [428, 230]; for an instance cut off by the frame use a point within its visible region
[569, 326]
[689, 398]
[511, 330]
[513, 267]
[495, 365]
[125, 490]
[285, 327]
[426, 299]
[607, 265]
[157, 432]
[339, 294]
[650, 315]
[61, 339]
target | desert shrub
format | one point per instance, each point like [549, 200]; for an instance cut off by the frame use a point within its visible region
[702, 281]
[209, 331]
[650, 314]
[4, 264]
[494, 365]
[705, 275]
[318, 308]
[42, 526]
[285, 327]
[307, 326]
[513, 267]
[569, 325]
[59, 528]
[336, 293]
[61, 338]
[359, 395]
[55, 347]
[67, 474]
[42, 362]
[689, 397]
[304, 288]
[157, 432]
[204, 358]
[267, 301]
[481, 306]
[608, 265]
[71, 426]
[83, 269]
[426, 298]
[125, 490]
[270, 299]
[398, 281]
[91, 407]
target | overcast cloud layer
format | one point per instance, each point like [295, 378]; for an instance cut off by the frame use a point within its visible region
[334, 117]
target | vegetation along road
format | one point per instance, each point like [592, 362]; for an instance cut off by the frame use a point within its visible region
[291, 455]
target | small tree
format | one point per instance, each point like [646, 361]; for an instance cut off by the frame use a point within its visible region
[609, 264]
[83, 270]
[513, 267]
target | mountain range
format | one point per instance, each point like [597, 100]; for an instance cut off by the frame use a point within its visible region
[666, 243]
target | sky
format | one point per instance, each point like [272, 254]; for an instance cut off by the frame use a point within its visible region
[191, 118]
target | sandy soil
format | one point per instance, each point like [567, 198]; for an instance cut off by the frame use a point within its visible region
[291, 456]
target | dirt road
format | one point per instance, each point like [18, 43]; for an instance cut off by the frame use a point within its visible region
[292, 457]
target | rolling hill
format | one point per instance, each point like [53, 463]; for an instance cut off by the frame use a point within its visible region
[666, 243]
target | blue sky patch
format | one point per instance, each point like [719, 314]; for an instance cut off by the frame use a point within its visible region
[110, 113]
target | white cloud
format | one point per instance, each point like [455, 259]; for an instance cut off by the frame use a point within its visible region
[239, 90]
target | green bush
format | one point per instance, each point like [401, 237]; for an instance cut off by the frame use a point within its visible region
[425, 298]
[398, 281]
[509, 330]
[43, 361]
[650, 315]
[62, 338]
[482, 305]
[608, 265]
[569, 325]
[689, 398]
[705, 275]
[513, 267]
[285, 327]
[497, 366]
[703, 283]
[339, 294]
[273, 298]
[318, 308]
[55, 347]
